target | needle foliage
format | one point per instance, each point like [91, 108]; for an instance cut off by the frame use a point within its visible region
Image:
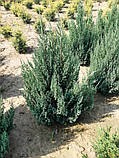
[51, 87]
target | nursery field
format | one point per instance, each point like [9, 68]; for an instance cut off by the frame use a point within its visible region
[28, 139]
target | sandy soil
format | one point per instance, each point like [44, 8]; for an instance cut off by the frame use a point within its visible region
[30, 140]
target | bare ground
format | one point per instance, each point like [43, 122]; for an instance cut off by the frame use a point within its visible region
[30, 140]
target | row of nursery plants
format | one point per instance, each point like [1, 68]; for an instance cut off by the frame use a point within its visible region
[83, 27]
[47, 8]
[18, 10]
[15, 36]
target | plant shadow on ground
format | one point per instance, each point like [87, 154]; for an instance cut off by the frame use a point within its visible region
[104, 106]
[28, 139]
[10, 86]
[30, 50]
[2, 60]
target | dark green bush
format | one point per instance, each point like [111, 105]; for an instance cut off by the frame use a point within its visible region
[6, 124]
[107, 144]
[51, 87]
[82, 36]
[104, 68]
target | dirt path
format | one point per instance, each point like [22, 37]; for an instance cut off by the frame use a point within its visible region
[30, 140]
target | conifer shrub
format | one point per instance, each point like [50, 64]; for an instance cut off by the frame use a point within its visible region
[19, 42]
[0, 18]
[51, 86]
[26, 17]
[37, 1]
[82, 36]
[64, 22]
[6, 30]
[7, 4]
[15, 8]
[58, 5]
[40, 25]
[70, 12]
[40, 9]
[49, 13]
[111, 3]
[21, 11]
[72, 9]
[28, 3]
[74, 4]
[66, 1]
[6, 124]
[18, 1]
[106, 22]
[88, 5]
[105, 12]
[104, 67]
[1, 2]
[104, 64]
[45, 3]
[107, 144]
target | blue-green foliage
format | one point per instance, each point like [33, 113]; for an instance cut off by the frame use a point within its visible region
[82, 36]
[6, 124]
[51, 87]
[104, 68]
[109, 22]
